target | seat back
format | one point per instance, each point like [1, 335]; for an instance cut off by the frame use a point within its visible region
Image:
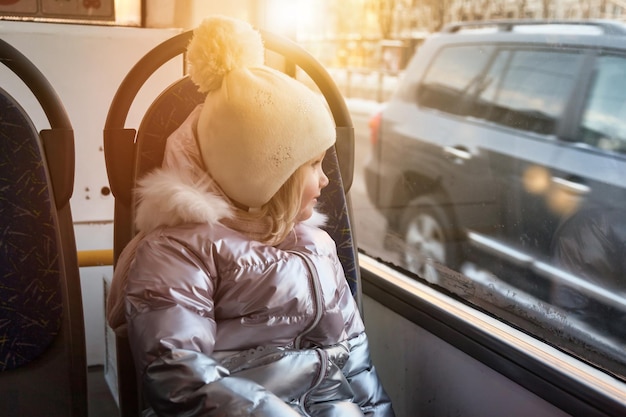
[42, 355]
[131, 154]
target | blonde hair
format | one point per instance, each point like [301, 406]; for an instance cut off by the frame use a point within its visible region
[283, 208]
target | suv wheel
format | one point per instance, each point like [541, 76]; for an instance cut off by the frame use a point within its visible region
[428, 240]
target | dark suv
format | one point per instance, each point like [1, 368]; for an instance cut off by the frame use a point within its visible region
[503, 151]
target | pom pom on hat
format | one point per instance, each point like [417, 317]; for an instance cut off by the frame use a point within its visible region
[220, 45]
[257, 125]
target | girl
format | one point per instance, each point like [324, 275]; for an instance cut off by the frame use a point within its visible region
[234, 301]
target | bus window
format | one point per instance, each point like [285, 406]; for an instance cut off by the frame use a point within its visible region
[497, 175]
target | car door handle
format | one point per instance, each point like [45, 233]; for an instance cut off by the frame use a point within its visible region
[572, 187]
[459, 154]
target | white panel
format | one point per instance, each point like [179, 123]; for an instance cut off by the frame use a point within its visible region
[425, 376]
[85, 65]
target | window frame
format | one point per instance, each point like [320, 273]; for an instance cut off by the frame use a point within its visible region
[559, 378]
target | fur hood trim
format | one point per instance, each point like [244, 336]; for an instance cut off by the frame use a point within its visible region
[167, 197]
[317, 219]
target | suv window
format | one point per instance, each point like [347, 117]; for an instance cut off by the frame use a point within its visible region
[528, 90]
[603, 123]
[521, 89]
[453, 78]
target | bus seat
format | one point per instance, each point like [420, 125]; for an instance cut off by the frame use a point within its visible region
[43, 367]
[130, 154]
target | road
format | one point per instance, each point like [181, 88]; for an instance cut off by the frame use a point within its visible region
[369, 225]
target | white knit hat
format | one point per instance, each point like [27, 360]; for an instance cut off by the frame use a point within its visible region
[257, 125]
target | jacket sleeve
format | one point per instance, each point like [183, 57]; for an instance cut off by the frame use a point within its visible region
[366, 385]
[171, 328]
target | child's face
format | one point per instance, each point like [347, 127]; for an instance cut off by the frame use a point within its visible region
[314, 181]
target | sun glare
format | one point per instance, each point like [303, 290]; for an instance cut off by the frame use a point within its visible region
[290, 17]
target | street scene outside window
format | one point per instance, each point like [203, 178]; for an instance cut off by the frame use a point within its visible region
[491, 157]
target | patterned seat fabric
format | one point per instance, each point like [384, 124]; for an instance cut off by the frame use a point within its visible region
[31, 303]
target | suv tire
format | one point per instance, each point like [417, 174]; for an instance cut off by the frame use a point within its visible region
[429, 241]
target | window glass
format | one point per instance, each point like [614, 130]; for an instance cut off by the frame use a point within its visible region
[453, 78]
[522, 89]
[489, 86]
[604, 120]
[533, 91]
[529, 228]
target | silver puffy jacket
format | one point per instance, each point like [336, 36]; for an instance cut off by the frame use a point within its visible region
[222, 325]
